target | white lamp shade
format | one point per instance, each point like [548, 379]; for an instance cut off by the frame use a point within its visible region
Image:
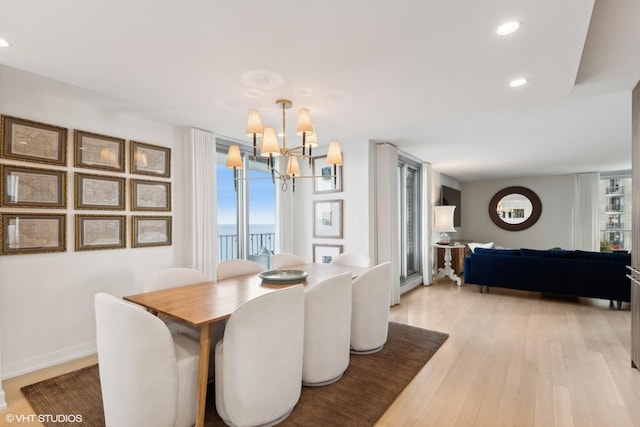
[304, 123]
[233, 157]
[334, 155]
[311, 140]
[443, 219]
[269, 143]
[293, 167]
[254, 124]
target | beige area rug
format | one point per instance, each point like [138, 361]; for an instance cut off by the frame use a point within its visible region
[371, 383]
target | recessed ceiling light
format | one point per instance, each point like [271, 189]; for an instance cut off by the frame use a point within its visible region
[518, 82]
[4, 43]
[508, 28]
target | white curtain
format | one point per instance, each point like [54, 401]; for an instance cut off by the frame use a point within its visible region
[586, 232]
[201, 218]
[387, 214]
[427, 225]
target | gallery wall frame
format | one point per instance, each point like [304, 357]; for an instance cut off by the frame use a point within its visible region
[94, 232]
[150, 195]
[324, 180]
[32, 141]
[96, 151]
[28, 233]
[151, 231]
[327, 219]
[148, 159]
[324, 253]
[27, 187]
[103, 192]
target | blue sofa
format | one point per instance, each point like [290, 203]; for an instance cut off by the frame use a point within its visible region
[562, 272]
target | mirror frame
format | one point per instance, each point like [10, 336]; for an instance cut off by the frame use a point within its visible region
[535, 212]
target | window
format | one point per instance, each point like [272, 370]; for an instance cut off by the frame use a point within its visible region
[246, 210]
[615, 211]
[409, 191]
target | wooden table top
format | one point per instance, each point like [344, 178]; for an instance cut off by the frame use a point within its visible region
[208, 302]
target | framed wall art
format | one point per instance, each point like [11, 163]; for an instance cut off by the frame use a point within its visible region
[33, 187]
[24, 233]
[26, 140]
[150, 195]
[99, 192]
[324, 180]
[95, 151]
[147, 159]
[327, 219]
[150, 231]
[100, 232]
[323, 254]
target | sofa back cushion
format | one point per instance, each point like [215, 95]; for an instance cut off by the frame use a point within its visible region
[551, 253]
[501, 252]
[604, 256]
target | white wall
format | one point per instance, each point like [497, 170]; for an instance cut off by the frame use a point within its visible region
[355, 197]
[46, 300]
[553, 229]
[439, 179]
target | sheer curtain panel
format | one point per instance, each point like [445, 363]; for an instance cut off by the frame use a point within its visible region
[201, 218]
[586, 212]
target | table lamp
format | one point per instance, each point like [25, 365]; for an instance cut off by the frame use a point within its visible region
[443, 222]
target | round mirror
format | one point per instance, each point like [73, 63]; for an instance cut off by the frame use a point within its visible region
[515, 208]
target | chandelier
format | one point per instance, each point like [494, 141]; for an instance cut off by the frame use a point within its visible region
[270, 148]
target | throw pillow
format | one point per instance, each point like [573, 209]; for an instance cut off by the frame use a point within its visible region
[473, 246]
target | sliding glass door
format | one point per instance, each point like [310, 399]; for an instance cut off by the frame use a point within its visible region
[409, 230]
[246, 209]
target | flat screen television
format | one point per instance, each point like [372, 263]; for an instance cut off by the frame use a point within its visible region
[452, 197]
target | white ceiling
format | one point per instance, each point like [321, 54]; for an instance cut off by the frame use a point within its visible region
[430, 76]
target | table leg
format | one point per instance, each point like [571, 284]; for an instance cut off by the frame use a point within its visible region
[447, 271]
[203, 372]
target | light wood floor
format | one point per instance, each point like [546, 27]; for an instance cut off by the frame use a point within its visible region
[512, 359]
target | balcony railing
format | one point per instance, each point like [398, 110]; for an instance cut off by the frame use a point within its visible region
[617, 189]
[228, 244]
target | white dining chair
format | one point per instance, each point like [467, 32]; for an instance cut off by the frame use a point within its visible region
[370, 310]
[352, 258]
[237, 267]
[327, 331]
[285, 260]
[259, 360]
[148, 376]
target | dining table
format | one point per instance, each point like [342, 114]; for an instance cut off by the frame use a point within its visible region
[202, 304]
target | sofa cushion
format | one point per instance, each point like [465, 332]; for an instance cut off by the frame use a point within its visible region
[551, 253]
[475, 245]
[501, 252]
[604, 256]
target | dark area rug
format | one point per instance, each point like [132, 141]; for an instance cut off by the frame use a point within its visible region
[372, 382]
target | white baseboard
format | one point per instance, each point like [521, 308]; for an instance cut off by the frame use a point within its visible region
[22, 367]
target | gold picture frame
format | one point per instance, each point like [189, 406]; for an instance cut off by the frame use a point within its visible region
[95, 151]
[95, 232]
[148, 159]
[327, 219]
[323, 254]
[26, 187]
[27, 233]
[99, 192]
[151, 231]
[32, 141]
[150, 195]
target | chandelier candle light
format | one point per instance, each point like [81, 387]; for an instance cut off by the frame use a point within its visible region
[270, 148]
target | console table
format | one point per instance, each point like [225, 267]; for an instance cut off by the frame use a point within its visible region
[448, 271]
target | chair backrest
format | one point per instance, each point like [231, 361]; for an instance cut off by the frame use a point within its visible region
[285, 260]
[171, 278]
[262, 357]
[237, 267]
[327, 329]
[370, 312]
[137, 364]
[352, 258]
